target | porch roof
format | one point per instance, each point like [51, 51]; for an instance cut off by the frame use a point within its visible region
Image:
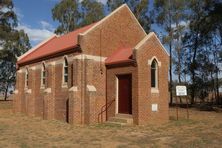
[121, 55]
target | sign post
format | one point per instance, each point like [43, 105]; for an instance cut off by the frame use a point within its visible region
[181, 91]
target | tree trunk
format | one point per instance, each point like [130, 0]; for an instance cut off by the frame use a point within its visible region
[193, 74]
[217, 88]
[6, 92]
[170, 46]
[192, 89]
[170, 71]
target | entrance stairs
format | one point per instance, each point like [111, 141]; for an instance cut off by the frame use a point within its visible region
[121, 120]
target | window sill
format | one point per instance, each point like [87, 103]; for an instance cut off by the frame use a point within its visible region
[73, 89]
[42, 87]
[154, 90]
[64, 85]
[28, 91]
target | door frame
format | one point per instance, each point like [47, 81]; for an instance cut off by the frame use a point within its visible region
[117, 92]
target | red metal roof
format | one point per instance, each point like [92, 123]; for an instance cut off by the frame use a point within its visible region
[121, 55]
[55, 45]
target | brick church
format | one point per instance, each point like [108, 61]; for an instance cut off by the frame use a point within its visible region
[97, 73]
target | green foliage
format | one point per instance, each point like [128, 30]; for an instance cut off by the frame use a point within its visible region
[193, 35]
[203, 46]
[13, 43]
[92, 11]
[139, 8]
[67, 14]
[170, 15]
[72, 14]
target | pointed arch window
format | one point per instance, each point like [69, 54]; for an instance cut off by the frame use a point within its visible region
[65, 71]
[43, 75]
[26, 78]
[154, 74]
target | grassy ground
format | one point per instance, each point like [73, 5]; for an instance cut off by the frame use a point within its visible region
[204, 129]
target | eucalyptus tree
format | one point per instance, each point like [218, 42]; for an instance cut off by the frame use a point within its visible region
[66, 12]
[13, 43]
[140, 9]
[171, 16]
[72, 14]
[205, 19]
[91, 11]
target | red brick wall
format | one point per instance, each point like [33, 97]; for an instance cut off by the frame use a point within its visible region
[145, 98]
[142, 97]
[119, 30]
[111, 89]
[80, 102]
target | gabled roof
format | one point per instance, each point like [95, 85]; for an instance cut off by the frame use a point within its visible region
[121, 55]
[125, 54]
[143, 41]
[54, 45]
[123, 6]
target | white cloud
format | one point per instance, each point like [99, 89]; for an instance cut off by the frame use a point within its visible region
[18, 13]
[182, 23]
[47, 26]
[36, 34]
[102, 1]
[54, 0]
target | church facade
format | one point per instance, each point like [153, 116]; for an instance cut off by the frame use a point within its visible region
[96, 72]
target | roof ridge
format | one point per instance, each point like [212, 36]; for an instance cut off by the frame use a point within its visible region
[112, 13]
[77, 29]
[147, 37]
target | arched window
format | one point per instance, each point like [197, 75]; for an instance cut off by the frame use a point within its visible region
[154, 74]
[43, 75]
[65, 71]
[26, 78]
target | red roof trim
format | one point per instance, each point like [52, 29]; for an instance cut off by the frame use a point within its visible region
[36, 49]
[55, 45]
[121, 55]
[43, 58]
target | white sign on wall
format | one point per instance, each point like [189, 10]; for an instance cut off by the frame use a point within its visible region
[154, 107]
[181, 90]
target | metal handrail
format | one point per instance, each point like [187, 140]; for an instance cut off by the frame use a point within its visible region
[103, 109]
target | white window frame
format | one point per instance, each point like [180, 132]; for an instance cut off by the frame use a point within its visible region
[156, 88]
[43, 69]
[156, 73]
[65, 60]
[26, 78]
[117, 95]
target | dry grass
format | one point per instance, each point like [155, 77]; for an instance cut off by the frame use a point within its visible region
[204, 129]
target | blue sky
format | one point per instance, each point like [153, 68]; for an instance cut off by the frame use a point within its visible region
[35, 17]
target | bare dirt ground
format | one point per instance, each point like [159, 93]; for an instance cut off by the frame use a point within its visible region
[204, 129]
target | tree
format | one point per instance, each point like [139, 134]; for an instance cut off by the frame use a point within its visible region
[72, 14]
[91, 12]
[139, 8]
[171, 16]
[13, 44]
[204, 21]
[67, 14]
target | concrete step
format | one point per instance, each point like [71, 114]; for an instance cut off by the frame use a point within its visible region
[124, 115]
[121, 119]
[110, 123]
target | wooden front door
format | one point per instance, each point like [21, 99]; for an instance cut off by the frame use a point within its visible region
[125, 94]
